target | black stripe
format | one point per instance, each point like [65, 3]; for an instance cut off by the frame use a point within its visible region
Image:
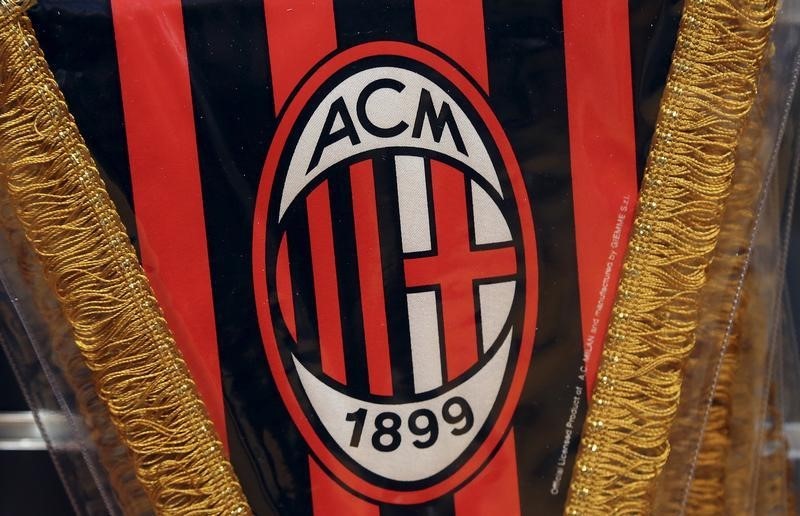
[359, 21]
[394, 278]
[654, 28]
[78, 41]
[234, 118]
[443, 506]
[528, 93]
[355, 357]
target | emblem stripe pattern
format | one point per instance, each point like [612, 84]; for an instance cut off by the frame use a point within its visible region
[326, 262]
[373, 297]
[349, 281]
[305, 296]
[393, 274]
[323, 264]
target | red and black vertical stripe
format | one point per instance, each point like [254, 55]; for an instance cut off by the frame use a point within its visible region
[346, 278]
[527, 89]
[394, 275]
[235, 115]
[369, 257]
[346, 251]
[242, 60]
[361, 21]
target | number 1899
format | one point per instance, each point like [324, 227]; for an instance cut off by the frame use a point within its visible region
[422, 423]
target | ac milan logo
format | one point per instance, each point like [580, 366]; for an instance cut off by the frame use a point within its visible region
[395, 271]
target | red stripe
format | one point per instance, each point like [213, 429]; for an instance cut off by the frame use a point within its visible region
[328, 497]
[602, 153]
[370, 273]
[326, 285]
[456, 28]
[300, 33]
[283, 284]
[495, 489]
[159, 121]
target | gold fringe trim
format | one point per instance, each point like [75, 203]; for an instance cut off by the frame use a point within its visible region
[113, 456]
[714, 362]
[70, 222]
[710, 91]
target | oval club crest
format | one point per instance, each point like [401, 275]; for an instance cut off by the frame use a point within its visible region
[395, 271]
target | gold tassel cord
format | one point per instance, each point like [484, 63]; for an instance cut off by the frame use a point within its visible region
[70, 222]
[710, 91]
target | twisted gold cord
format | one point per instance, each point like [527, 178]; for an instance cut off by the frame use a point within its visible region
[70, 222]
[710, 91]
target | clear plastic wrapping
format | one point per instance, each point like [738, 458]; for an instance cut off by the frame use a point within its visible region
[387, 238]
